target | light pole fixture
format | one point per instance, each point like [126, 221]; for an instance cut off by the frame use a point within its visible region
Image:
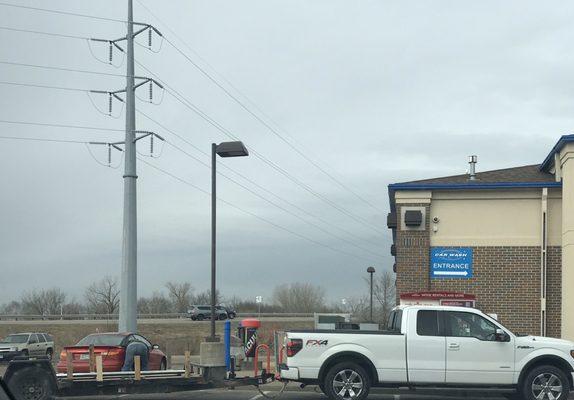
[371, 271]
[225, 149]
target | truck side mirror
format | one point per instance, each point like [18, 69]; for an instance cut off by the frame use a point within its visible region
[501, 336]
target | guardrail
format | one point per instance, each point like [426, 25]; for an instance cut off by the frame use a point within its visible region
[107, 317]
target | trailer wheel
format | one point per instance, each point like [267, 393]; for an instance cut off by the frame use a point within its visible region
[347, 380]
[31, 383]
[200, 317]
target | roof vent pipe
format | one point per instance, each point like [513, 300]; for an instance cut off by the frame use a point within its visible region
[472, 160]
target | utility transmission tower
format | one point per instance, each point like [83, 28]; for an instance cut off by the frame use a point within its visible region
[128, 282]
[128, 285]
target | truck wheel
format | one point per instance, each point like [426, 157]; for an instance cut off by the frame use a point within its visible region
[49, 354]
[546, 383]
[200, 317]
[31, 383]
[347, 380]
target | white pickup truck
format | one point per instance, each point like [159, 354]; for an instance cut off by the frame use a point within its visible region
[430, 347]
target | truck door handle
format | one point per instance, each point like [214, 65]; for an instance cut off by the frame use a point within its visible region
[453, 346]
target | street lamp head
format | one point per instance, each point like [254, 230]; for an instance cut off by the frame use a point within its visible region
[371, 270]
[231, 149]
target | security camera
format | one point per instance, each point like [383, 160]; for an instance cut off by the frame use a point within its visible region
[435, 220]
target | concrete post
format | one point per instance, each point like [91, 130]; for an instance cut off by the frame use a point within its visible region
[567, 169]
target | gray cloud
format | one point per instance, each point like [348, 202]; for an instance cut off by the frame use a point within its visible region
[380, 92]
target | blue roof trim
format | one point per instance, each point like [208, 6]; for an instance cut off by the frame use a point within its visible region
[547, 163]
[477, 186]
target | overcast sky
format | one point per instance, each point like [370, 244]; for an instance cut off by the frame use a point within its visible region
[374, 92]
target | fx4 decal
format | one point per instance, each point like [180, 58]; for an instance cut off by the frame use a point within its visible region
[316, 342]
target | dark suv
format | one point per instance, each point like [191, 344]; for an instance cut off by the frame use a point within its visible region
[199, 313]
[231, 313]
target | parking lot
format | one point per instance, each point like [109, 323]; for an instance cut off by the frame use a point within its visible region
[294, 394]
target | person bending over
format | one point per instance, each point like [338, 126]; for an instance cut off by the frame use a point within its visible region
[135, 349]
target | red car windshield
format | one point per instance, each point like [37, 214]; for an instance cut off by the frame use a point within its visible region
[102, 340]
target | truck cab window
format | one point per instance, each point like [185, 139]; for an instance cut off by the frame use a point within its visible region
[394, 321]
[427, 323]
[462, 324]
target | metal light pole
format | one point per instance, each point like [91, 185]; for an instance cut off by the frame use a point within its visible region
[225, 149]
[371, 271]
[128, 292]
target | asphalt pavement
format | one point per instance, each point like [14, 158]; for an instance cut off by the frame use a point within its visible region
[295, 393]
[291, 393]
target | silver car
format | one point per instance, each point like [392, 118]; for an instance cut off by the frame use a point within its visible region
[26, 345]
[199, 313]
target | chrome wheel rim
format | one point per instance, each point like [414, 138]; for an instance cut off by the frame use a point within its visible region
[547, 387]
[347, 384]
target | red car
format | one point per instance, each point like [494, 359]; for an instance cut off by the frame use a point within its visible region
[112, 348]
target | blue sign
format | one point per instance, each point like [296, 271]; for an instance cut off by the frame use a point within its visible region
[451, 262]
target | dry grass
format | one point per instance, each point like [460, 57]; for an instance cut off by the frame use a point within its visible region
[173, 338]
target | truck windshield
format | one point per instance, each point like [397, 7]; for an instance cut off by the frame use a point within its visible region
[15, 339]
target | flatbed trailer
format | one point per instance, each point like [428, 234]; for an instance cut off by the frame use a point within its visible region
[36, 379]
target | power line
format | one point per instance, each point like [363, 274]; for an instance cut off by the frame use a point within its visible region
[33, 139]
[184, 101]
[203, 115]
[59, 35]
[3, 121]
[274, 203]
[52, 11]
[178, 148]
[34, 85]
[184, 152]
[179, 97]
[253, 214]
[86, 143]
[64, 69]
[253, 114]
[251, 181]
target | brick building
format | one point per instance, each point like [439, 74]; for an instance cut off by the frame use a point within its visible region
[504, 237]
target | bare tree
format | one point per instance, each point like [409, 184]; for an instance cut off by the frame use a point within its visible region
[358, 307]
[103, 297]
[384, 291]
[43, 302]
[205, 297]
[156, 304]
[72, 307]
[180, 295]
[12, 308]
[299, 297]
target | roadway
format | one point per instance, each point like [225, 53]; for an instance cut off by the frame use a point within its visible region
[142, 321]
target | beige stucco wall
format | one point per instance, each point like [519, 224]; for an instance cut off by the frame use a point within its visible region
[494, 218]
[567, 166]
